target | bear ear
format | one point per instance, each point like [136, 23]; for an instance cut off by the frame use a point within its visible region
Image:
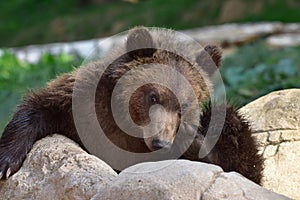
[140, 43]
[210, 59]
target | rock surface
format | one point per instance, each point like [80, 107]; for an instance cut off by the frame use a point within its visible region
[182, 179]
[291, 28]
[57, 168]
[275, 119]
[284, 40]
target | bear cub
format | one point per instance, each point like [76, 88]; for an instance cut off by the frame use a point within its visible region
[145, 52]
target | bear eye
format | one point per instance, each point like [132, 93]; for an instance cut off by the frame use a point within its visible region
[154, 99]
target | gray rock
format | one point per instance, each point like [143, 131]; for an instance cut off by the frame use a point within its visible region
[57, 168]
[284, 40]
[276, 120]
[181, 179]
[291, 28]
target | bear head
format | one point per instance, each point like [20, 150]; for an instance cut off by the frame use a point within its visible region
[163, 82]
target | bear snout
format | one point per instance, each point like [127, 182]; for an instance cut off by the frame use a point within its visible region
[159, 144]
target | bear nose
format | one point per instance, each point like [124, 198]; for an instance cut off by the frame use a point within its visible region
[159, 144]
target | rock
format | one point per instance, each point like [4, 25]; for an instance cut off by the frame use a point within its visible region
[234, 34]
[291, 28]
[57, 168]
[181, 179]
[284, 40]
[275, 119]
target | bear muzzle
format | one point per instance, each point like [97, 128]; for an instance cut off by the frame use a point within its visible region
[159, 144]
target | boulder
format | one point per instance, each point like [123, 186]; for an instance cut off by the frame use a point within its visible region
[182, 179]
[275, 119]
[57, 168]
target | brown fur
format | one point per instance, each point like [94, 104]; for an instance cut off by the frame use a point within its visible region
[235, 150]
[50, 110]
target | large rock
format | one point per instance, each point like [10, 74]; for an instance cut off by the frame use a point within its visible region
[275, 118]
[57, 168]
[182, 179]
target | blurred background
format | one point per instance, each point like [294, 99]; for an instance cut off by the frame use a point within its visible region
[262, 52]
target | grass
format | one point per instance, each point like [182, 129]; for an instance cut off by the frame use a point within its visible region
[51, 21]
[17, 77]
[278, 10]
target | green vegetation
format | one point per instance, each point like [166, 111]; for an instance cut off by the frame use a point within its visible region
[33, 21]
[278, 10]
[16, 77]
[45, 21]
[255, 70]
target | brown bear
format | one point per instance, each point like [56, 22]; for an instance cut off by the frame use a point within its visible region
[158, 110]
